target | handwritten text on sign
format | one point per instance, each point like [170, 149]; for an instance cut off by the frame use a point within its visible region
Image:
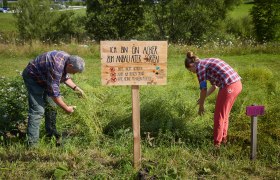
[133, 62]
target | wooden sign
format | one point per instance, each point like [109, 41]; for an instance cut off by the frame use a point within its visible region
[254, 110]
[133, 62]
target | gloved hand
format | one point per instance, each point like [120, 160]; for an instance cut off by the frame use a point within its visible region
[80, 92]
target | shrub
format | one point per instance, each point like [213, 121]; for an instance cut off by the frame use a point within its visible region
[33, 18]
[35, 21]
[65, 26]
[13, 104]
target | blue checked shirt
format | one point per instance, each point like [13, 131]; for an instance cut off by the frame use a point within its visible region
[48, 70]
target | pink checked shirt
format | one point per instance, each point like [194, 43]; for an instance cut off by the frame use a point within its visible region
[216, 71]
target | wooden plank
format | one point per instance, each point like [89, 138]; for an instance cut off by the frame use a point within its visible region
[136, 126]
[133, 62]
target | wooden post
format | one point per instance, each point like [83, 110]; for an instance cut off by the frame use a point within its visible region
[253, 137]
[136, 126]
[254, 111]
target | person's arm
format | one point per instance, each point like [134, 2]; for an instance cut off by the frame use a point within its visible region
[211, 90]
[73, 86]
[58, 100]
[203, 94]
[70, 83]
[201, 100]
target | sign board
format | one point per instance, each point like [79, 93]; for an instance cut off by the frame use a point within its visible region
[254, 110]
[133, 62]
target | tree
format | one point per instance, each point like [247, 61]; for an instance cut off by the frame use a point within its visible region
[174, 20]
[115, 19]
[266, 19]
[33, 17]
[188, 20]
[66, 26]
[35, 20]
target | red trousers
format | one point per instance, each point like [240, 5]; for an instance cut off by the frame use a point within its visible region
[224, 103]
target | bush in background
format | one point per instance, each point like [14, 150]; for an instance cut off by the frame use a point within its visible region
[66, 26]
[36, 21]
[33, 18]
[114, 19]
[176, 21]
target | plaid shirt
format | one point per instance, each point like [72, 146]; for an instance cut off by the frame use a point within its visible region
[216, 71]
[48, 70]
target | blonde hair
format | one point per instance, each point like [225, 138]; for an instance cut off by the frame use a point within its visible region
[190, 59]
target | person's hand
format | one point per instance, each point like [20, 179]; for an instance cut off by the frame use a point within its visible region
[80, 92]
[70, 109]
[201, 110]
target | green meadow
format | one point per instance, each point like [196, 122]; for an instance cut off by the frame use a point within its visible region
[176, 143]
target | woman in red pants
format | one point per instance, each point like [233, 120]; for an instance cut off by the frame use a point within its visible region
[221, 75]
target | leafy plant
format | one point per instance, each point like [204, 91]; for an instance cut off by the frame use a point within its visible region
[13, 105]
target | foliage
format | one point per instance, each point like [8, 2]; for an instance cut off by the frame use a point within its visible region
[36, 21]
[187, 21]
[118, 19]
[176, 21]
[240, 28]
[13, 103]
[266, 19]
[65, 26]
[33, 17]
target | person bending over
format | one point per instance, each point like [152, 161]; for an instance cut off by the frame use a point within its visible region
[42, 78]
[221, 76]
